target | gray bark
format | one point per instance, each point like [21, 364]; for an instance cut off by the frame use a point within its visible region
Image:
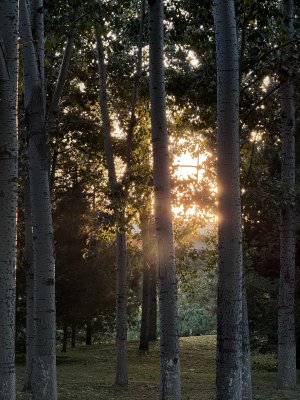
[229, 330]
[170, 387]
[146, 300]
[9, 192]
[286, 317]
[44, 366]
[246, 371]
[29, 269]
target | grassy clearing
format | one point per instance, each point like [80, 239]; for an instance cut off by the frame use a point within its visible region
[87, 373]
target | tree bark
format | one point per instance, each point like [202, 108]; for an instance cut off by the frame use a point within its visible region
[229, 329]
[170, 387]
[246, 372]
[9, 193]
[286, 300]
[29, 269]
[44, 367]
[146, 300]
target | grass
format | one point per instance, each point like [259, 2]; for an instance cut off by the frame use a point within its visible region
[87, 373]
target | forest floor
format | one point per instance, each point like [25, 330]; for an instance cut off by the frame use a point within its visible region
[87, 373]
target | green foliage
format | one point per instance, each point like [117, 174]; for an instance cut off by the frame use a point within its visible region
[196, 322]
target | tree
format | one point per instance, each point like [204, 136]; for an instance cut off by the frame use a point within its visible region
[44, 365]
[229, 330]
[9, 191]
[286, 314]
[146, 297]
[170, 388]
[117, 192]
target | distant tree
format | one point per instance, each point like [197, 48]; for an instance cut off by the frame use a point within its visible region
[119, 189]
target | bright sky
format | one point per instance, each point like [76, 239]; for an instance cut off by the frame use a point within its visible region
[188, 166]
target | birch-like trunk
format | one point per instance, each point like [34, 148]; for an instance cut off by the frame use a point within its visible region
[146, 300]
[170, 388]
[286, 315]
[246, 360]
[9, 193]
[44, 367]
[229, 330]
[29, 269]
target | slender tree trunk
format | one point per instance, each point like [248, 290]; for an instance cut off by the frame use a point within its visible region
[121, 305]
[44, 367]
[119, 210]
[146, 300]
[229, 331]
[9, 193]
[153, 286]
[122, 363]
[62, 76]
[65, 338]
[73, 336]
[88, 334]
[29, 269]
[153, 303]
[286, 313]
[246, 372]
[170, 388]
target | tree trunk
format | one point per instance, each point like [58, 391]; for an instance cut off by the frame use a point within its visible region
[73, 337]
[65, 338]
[122, 363]
[29, 269]
[121, 304]
[9, 193]
[286, 315]
[229, 330]
[153, 286]
[145, 322]
[153, 303]
[246, 372]
[88, 334]
[44, 367]
[170, 388]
